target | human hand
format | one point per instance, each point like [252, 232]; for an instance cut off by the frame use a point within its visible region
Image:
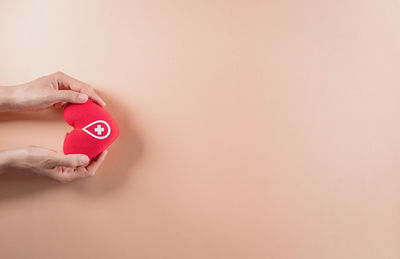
[52, 90]
[49, 163]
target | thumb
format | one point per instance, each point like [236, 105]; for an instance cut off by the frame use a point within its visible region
[69, 96]
[69, 160]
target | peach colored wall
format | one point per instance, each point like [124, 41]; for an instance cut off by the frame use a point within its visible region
[268, 129]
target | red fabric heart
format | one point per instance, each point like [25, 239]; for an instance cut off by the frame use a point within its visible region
[94, 129]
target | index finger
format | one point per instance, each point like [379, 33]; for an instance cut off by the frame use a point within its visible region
[67, 82]
[68, 174]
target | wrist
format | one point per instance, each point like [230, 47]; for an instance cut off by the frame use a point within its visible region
[5, 93]
[6, 161]
[9, 98]
[12, 159]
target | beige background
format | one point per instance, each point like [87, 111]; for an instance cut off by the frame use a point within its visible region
[267, 129]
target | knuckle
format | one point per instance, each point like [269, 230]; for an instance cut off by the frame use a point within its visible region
[88, 89]
[59, 74]
[76, 159]
[63, 179]
[67, 180]
[31, 149]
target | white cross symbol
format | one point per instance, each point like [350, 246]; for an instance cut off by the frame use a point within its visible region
[99, 129]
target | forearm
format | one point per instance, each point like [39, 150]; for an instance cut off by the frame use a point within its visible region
[4, 98]
[15, 158]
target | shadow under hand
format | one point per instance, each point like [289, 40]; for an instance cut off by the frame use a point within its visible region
[122, 155]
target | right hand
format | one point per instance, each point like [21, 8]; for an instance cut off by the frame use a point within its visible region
[49, 163]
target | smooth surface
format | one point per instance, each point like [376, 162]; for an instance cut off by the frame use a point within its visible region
[94, 129]
[269, 129]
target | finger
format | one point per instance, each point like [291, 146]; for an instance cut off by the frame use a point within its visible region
[68, 160]
[97, 99]
[94, 96]
[92, 167]
[70, 83]
[68, 174]
[69, 96]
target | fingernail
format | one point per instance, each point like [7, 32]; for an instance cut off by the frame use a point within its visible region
[83, 160]
[82, 97]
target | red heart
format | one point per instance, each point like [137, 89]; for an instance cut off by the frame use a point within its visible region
[94, 129]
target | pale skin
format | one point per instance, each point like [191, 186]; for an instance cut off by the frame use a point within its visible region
[49, 91]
